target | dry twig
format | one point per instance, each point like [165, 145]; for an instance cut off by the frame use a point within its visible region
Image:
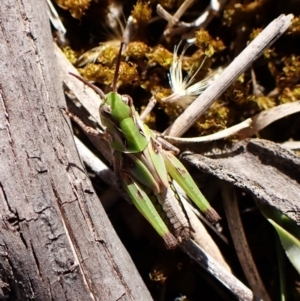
[240, 64]
[240, 242]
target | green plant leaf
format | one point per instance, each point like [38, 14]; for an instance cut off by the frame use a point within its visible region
[290, 244]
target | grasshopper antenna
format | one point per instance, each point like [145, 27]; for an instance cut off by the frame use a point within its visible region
[96, 89]
[114, 87]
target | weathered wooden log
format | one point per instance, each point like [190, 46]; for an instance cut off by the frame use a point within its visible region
[56, 242]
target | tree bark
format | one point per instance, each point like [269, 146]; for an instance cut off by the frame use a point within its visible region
[56, 242]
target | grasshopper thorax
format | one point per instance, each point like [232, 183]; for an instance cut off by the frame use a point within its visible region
[118, 109]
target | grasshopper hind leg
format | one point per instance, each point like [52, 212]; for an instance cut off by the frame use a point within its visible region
[141, 201]
[175, 214]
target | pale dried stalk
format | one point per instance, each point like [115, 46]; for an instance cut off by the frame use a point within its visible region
[292, 145]
[238, 289]
[95, 164]
[265, 118]
[202, 237]
[246, 128]
[240, 64]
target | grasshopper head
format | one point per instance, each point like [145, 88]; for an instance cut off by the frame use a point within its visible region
[119, 109]
[120, 106]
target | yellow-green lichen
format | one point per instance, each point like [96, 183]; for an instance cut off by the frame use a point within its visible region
[98, 73]
[70, 54]
[235, 13]
[76, 7]
[160, 55]
[109, 52]
[136, 50]
[294, 29]
[289, 94]
[262, 102]
[128, 74]
[207, 44]
[141, 12]
[215, 119]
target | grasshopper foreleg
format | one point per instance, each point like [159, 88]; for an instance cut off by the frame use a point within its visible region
[87, 129]
[168, 146]
[149, 108]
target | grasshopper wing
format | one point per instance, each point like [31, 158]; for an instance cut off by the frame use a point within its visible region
[179, 173]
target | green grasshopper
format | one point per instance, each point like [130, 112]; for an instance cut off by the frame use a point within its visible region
[145, 166]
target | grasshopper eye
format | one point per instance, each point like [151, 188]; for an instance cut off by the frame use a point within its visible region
[127, 100]
[106, 108]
